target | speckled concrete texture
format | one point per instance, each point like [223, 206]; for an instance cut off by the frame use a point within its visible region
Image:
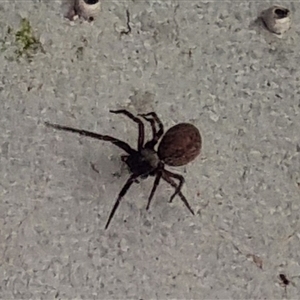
[207, 63]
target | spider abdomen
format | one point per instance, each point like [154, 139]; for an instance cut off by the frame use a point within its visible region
[180, 145]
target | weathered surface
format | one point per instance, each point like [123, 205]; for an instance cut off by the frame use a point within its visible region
[190, 61]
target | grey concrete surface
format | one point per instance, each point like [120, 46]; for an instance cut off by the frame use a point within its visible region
[203, 62]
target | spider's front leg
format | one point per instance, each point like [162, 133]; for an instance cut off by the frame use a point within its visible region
[155, 185]
[122, 193]
[156, 135]
[158, 174]
[136, 120]
[93, 135]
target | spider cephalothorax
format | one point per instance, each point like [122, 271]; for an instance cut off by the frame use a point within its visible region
[180, 145]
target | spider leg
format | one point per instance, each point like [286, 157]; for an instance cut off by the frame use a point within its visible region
[152, 123]
[155, 185]
[168, 179]
[136, 120]
[179, 186]
[97, 136]
[123, 191]
[156, 135]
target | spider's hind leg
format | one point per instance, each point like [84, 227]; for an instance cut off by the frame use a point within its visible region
[166, 175]
[179, 186]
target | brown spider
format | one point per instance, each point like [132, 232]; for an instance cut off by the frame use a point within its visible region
[180, 145]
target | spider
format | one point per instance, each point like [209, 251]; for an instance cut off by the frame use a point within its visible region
[180, 145]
